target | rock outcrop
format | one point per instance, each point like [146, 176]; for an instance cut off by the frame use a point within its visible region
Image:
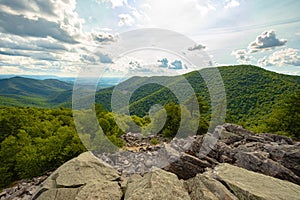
[246, 184]
[24, 189]
[82, 178]
[155, 185]
[231, 163]
[269, 154]
[86, 177]
[206, 187]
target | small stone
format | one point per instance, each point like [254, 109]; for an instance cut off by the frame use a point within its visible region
[148, 163]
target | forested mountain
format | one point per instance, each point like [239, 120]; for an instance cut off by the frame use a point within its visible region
[20, 91]
[251, 92]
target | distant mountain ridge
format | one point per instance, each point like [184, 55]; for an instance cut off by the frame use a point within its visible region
[251, 92]
[20, 91]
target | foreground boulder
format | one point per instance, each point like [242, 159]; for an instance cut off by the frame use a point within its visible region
[87, 177]
[206, 187]
[196, 161]
[269, 154]
[84, 177]
[155, 185]
[246, 184]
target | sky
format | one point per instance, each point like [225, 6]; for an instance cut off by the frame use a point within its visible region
[62, 37]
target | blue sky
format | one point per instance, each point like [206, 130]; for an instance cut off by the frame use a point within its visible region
[61, 37]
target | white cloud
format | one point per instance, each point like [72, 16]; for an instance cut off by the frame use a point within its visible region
[183, 15]
[31, 65]
[56, 19]
[231, 4]
[175, 65]
[47, 37]
[266, 41]
[242, 55]
[126, 20]
[284, 57]
[197, 47]
[114, 3]
[102, 37]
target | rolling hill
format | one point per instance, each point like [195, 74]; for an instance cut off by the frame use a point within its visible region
[20, 91]
[251, 92]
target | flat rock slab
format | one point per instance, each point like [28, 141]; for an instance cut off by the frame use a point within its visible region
[249, 185]
[206, 188]
[156, 185]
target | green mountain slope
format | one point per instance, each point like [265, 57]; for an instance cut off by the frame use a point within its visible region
[19, 91]
[251, 92]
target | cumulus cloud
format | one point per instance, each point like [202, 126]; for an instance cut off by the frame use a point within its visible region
[31, 9]
[102, 37]
[88, 58]
[126, 20]
[284, 57]
[19, 25]
[49, 44]
[266, 41]
[32, 54]
[197, 47]
[32, 65]
[231, 4]
[44, 49]
[135, 66]
[176, 64]
[56, 19]
[96, 57]
[164, 63]
[241, 55]
[41, 36]
[114, 3]
[104, 58]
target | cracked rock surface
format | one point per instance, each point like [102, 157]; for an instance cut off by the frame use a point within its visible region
[239, 165]
[82, 178]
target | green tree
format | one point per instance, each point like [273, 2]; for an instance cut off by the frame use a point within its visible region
[9, 150]
[285, 119]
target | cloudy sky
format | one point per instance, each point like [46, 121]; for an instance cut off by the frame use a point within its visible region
[60, 37]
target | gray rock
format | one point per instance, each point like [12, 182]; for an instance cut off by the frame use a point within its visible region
[287, 155]
[255, 161]
[109, 190]
[239, 130]
[246, 184]
[84, 177]
[269, 154]
[207, 188]
[156, 185]
[187, 166]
